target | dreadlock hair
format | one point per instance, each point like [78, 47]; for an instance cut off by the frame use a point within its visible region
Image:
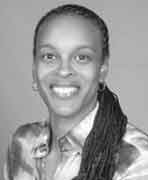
[104, 140]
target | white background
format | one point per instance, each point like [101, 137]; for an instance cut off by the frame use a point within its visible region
[128, 24]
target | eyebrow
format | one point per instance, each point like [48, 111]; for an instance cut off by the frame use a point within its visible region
[46, 46]
[41, 46]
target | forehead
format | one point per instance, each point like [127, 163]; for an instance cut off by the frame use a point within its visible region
[68, 28]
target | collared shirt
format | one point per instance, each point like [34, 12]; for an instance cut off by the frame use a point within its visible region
[132, 157]
[63, 163]
[71, 148]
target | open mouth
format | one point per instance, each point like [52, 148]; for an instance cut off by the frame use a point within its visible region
[64, 91]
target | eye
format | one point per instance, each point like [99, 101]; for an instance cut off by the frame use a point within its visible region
[48, 57]
[82, 58]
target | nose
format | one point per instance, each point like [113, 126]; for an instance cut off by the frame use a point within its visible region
[65, 69]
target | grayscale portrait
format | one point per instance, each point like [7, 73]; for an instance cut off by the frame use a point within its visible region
[74, 90]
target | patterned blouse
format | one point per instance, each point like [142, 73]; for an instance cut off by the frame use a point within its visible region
[64, 163]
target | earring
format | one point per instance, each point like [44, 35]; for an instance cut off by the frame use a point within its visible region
[101, 86]
[34, 86]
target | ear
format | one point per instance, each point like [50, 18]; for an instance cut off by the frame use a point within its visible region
[103, 71]
[35, 80]
[34, 73]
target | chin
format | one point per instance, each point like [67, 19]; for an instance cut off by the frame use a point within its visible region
[65, 110]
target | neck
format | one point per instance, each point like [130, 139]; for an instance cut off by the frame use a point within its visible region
[61, 125]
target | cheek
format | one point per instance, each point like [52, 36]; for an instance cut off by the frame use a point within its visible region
[90, 74]
[43, 70]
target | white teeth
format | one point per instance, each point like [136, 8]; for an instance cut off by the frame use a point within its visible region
[64, 91]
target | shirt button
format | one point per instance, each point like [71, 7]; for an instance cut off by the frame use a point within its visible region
[43, 164]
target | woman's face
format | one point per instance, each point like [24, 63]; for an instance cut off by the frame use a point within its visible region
[67, 63]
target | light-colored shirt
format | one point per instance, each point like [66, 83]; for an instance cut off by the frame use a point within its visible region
[64, 163]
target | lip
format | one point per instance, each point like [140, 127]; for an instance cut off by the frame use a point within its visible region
[64, 85]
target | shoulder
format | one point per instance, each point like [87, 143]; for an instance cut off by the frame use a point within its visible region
[25, 140]
[133, 155]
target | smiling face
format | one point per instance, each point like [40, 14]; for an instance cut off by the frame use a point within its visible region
[67, 64]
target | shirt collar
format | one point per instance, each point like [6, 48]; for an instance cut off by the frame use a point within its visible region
[75, 138]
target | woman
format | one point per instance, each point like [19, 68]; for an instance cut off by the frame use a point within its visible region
[91, 137]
